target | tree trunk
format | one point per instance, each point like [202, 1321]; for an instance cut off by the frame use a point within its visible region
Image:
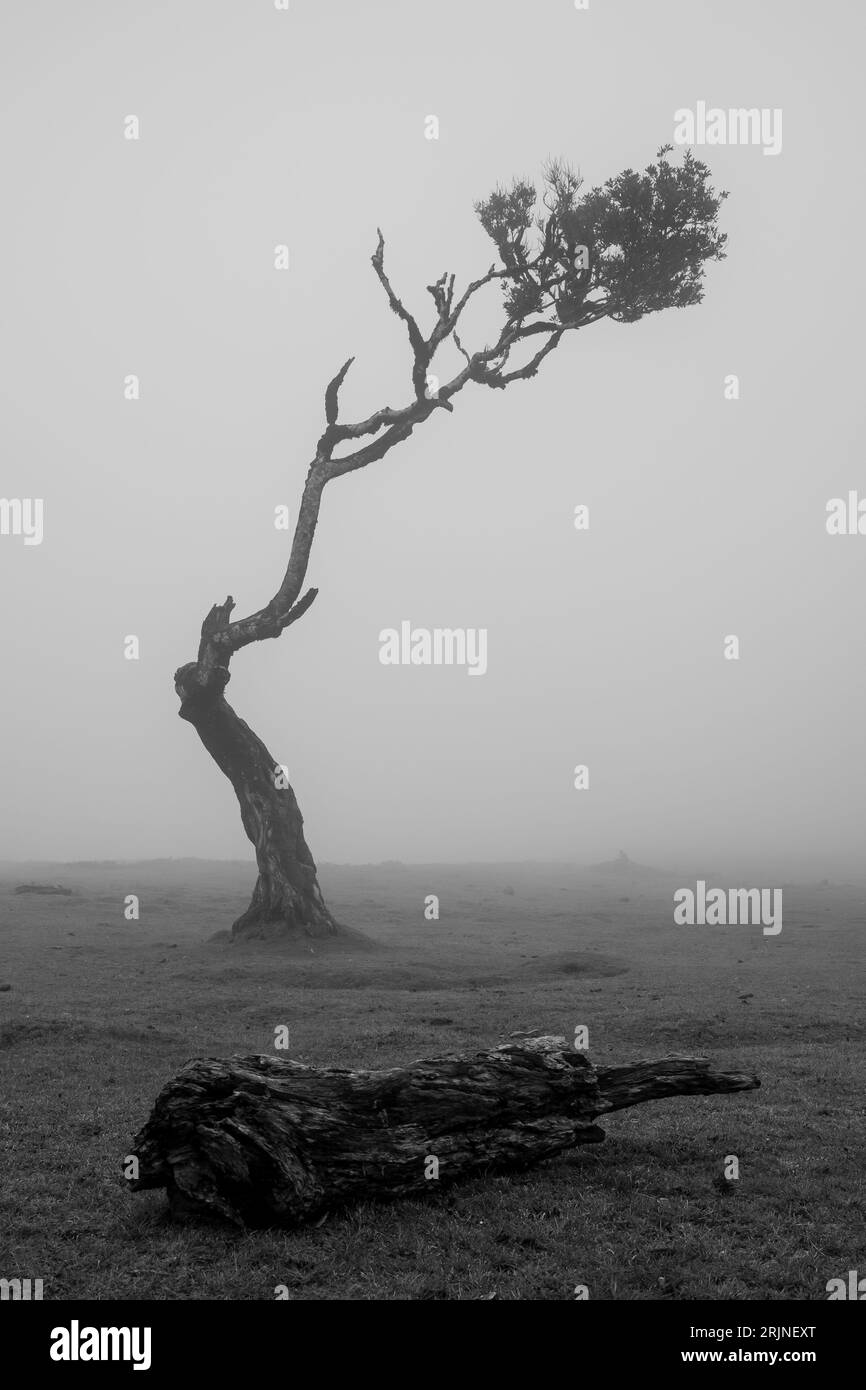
[287, 898]
[265, 1142]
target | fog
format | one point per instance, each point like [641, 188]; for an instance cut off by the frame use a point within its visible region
[604, 647]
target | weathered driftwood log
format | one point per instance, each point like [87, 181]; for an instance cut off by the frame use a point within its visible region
[264, 1142]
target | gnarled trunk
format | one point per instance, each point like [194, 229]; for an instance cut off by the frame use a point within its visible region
[287, 897]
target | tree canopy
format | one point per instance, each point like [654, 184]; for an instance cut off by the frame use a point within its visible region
[635, 245]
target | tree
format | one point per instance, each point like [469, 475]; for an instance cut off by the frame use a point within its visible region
[632, 247]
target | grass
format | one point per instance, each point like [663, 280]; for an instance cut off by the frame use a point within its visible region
[99, 1013]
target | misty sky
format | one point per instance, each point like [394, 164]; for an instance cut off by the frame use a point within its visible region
[605, 648]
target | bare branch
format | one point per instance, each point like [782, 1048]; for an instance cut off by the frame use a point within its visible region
[221, 640]
[443, 295]
[337, 468]
[419, 344]
[268, 622]
[216, 620]
[332, 393]
[386, 416]
[299, 609]
[531, 367]
[445, 327]
[541, 326]
[460, 348]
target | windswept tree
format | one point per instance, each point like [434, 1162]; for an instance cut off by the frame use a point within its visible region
[566, 260]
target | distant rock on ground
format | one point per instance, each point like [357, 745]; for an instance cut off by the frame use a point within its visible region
[43, 888]
[623, 867]
[624, 871]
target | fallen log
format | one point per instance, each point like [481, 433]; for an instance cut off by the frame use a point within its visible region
[266, 1142]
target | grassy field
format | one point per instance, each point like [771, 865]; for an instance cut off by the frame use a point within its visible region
[97, 1013]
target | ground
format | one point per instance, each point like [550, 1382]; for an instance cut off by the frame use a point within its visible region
[97, 1013]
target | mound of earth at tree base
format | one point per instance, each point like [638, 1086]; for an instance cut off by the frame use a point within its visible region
[344, 941]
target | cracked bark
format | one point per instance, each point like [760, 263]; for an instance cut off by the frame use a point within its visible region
[264, 1142]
